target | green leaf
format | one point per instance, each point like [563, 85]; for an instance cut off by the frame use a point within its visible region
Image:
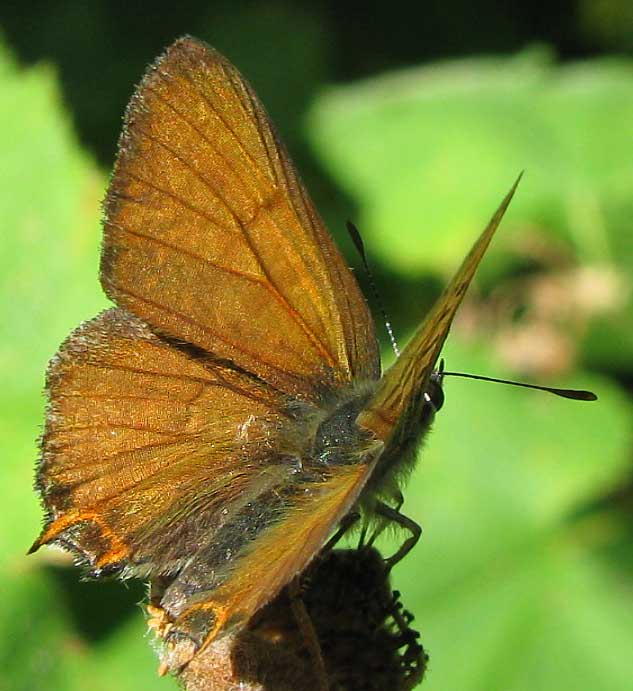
[429, 152]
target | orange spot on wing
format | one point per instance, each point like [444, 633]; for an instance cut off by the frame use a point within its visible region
[118, 548]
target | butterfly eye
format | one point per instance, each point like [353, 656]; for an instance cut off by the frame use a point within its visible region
[434, 395]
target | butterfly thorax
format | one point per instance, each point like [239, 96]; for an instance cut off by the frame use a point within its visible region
[338, 440]
[335, 439]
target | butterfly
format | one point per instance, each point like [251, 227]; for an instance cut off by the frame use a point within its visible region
[213, 429]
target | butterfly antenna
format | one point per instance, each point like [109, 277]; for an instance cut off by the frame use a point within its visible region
[574, 394]
[360, 248]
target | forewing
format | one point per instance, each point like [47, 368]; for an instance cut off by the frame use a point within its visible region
[148, 449]
[408, 376]
[210, 236]
[265, 546]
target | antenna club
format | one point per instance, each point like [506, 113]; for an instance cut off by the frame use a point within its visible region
[572, 394]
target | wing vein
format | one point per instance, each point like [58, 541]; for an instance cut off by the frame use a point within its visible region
[219, 115]
[204, 328]
[193, 255]
[324, 349]
[245, 184]
[200, 380]
[309, 221]
[176, 198]
[312, 338]
[137, 428]
[109, 457]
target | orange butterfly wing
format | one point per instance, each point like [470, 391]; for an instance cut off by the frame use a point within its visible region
[139, 437]
[177, 423]
[217, 591]
[177, 439]
[211, 238]
[159, 463]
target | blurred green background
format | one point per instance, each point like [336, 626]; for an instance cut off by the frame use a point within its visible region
[412, 120]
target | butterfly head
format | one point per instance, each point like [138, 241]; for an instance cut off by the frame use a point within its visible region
[434, 393]
[419, 415]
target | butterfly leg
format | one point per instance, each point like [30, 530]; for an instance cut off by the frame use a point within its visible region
[377, 531]
[308, 632]
[347, 522]
[403, 521]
